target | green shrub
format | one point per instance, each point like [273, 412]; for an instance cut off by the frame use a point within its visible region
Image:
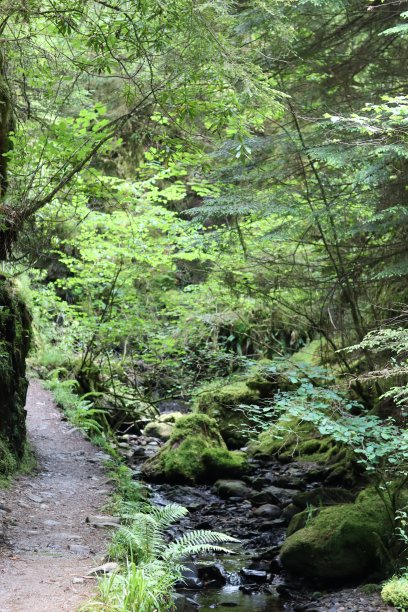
[395, 592]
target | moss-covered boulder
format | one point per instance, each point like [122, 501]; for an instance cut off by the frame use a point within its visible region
[341, 542]
[14, 346]
[224, 402]
[195, 453]
[163, 426]
[289, 438]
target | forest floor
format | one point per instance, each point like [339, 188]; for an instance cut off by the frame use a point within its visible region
[49, 547]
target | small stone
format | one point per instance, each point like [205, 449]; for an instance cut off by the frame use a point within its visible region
[103, 521]
[51, 523]
[24, 505]
[34, 498]
[79, 549]
[78, 580]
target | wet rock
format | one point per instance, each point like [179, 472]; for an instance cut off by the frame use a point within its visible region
[233, 488]
[213, 575]
[139, 451]
[193, 498]
[268, 511]
[183, 603]
[274, 495]
[190, 578]
[250, 575]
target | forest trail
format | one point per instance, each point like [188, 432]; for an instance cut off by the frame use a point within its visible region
[49, 547]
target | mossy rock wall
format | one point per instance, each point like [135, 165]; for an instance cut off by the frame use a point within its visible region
[15, 327]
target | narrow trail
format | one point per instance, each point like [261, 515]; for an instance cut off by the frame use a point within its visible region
[49, 547]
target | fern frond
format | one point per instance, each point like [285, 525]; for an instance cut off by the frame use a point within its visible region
[204, 536]
[196, 542]
[168, 515]
[175, 551]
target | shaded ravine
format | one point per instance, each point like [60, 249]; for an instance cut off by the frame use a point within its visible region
[48, 545]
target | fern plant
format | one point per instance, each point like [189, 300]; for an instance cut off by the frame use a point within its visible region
[144, 538]
[152, 565]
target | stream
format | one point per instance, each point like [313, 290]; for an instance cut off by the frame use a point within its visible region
[256, 510]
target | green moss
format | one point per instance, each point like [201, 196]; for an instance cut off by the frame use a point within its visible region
[223, 403]
[230, 464]
[8, 461]
[10, 464]
[342, 542]
[195, 452]
[284, 436]
[395, 592]
[308, 354]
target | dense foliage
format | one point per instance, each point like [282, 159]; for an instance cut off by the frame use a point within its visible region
[193, 189]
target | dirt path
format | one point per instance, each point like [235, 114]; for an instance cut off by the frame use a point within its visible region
[49, 546]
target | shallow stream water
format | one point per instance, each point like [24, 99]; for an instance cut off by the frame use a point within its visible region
[230, 597]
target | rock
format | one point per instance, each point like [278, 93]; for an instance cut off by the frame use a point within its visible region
[251, 575]
[289, 512]
[190, 578]
[106, 568]
[223, 403]
[341, 543]
[233, 488]
[103, 521]
[274, 495]
[169, 417]
[34, 498]
[268, 511]
[79, 549]
[195, 453]
[213, 575]
[159, 430]
[323, 496]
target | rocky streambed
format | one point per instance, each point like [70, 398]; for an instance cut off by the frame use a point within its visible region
[256, 509]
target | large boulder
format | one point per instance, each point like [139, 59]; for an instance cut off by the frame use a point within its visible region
[15, 326]
[340, 543]
[225, 404]
[195, 453]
